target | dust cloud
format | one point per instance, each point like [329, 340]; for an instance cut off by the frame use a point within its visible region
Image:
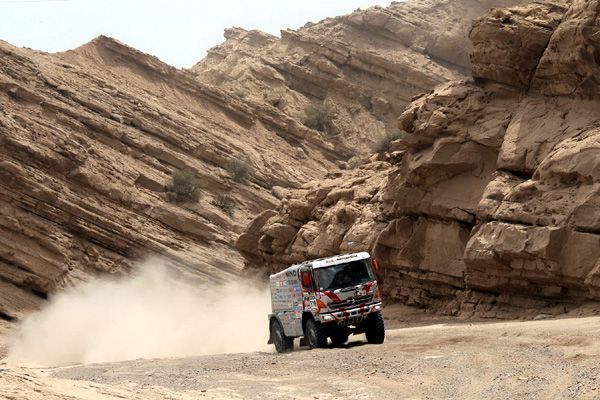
[152, 314]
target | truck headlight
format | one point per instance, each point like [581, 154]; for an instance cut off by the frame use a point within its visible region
[328, 318]
[377, 308]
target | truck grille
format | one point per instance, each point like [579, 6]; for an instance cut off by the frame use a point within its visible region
[350, 302]
[352, 320]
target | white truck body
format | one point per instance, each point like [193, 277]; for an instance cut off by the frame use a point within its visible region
[338, 294]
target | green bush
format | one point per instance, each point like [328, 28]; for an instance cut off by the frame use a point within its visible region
[383, 144]
[185, 184]
[240, 93]
[353, 164]
[226, 204]
[317, 115]
[239, 167]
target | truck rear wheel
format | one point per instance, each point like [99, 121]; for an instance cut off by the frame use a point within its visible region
[283, 344]
[375, 329]
[315, 334]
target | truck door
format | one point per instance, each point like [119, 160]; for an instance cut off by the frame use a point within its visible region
[307, 279]
[309, 295]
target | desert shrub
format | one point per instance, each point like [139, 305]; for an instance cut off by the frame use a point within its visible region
[185, 184]
[225, 203]
[383, 144]
[354, 163]
[317, 115]
[239, 167]
[240, 93]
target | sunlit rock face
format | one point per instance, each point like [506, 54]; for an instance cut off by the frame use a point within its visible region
[490, 204]
[90, 139]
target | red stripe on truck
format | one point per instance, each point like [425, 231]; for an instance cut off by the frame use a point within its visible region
[332, 296]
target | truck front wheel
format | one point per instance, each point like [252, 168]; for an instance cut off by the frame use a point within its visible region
[315, 334]
[282, 343]
[375, 329]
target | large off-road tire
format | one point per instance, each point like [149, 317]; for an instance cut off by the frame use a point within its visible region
[283, 344]
[317, 338]
[374, 329]
[339, 336]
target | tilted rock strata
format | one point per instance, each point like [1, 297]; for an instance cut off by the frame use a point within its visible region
[368, 64]
[89, 139]
[495, 206]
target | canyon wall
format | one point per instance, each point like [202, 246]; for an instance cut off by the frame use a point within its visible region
[91, 137]
[368, 64]
[489, 205]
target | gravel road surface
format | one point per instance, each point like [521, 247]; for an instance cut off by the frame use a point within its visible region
[546, 359]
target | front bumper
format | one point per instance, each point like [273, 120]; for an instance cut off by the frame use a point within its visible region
[351, 315]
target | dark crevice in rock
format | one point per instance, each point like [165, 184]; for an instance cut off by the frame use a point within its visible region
[471, 214]
[436, 218]
[588, 231]
[534, 70]
[19, 267]
[543, 52]
[519, 174]
[449, 64]
[6, 317]
[42, 295]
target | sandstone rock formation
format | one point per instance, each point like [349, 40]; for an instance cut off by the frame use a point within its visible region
[493, 209]
[368, 64]
[89, 140]
[90, 137]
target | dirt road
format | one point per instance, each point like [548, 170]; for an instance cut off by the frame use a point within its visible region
[548, 359]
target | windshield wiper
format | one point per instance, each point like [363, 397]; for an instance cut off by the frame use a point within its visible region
[353, 287]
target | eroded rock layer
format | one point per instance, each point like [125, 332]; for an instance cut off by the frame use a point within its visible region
[492, 207]
[368, 64]
[89, 139]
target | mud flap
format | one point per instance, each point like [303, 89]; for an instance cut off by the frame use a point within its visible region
[303, 342]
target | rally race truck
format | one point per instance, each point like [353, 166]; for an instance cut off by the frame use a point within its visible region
[327, 298]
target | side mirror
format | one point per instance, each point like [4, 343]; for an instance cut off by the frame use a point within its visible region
[375, 265]
[306, 279]
[375, 268]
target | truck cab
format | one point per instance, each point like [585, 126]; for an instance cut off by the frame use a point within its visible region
[329, 298]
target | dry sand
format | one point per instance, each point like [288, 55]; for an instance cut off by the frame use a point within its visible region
[546, 359]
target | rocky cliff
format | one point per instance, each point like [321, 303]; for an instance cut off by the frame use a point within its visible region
[90, 138]
[368, 64]
[490, 205]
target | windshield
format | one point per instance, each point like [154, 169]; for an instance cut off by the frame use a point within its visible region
[345, 275]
